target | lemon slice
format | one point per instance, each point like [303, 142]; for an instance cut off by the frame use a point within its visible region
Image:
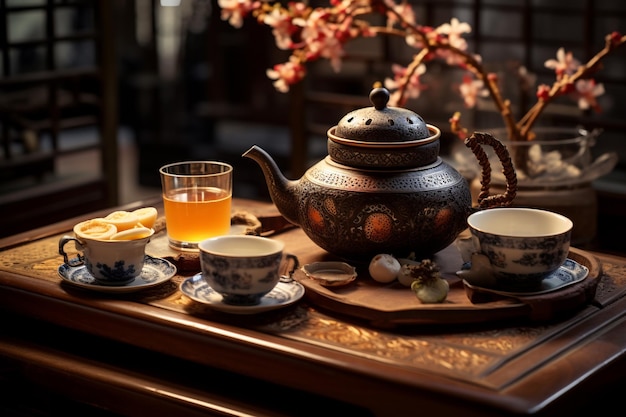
[133, 234]
[123, 220]
[95, 229]
[147, 216]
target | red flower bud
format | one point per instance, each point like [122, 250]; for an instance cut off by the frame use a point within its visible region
[615, 37]
[543, 92]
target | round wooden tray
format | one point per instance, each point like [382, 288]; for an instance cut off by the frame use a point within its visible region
[394, 304]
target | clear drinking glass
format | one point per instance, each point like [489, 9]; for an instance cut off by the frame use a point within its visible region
[197, 198]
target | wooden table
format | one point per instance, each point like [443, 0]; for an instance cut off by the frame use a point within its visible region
[156, 352]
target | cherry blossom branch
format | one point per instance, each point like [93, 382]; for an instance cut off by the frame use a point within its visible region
[470, 62]
[320, 33]
[566, 82]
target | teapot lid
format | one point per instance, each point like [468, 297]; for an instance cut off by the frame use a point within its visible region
[381, 123]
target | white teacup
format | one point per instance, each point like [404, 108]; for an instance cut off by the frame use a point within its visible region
[242, 268]
[522, 245]
[110, 262]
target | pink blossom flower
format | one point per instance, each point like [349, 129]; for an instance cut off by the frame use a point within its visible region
[587, 91]
[282, 27]
[234, 11]
[446, 34]
[413, 87]
[403, 9]
[286, 74]
[323, 40]
[565, 63]
[471, 89]
[454, 30]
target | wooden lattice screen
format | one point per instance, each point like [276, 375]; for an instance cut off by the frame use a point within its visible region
[57, 73]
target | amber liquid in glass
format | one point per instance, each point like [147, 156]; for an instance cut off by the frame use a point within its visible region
[195, 214]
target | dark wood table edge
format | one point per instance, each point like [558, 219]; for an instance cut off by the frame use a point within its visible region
[435, 390]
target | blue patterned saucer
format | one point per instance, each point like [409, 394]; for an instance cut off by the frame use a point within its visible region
[285, 293]
[155, 271]
[568, 274]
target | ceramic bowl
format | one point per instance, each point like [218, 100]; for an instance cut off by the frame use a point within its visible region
[523, 245]
[330, 274]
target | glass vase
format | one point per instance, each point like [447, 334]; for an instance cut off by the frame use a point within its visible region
[555, 172]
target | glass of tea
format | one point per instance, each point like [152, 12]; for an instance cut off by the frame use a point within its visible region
[197, 198]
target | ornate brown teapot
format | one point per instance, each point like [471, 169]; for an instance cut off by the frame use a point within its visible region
[383, 187]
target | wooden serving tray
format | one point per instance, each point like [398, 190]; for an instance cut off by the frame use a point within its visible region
[394, 304]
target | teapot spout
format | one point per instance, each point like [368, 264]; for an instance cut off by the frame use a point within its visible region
[283, 192]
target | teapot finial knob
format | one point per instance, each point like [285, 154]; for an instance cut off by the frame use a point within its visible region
[379, 97]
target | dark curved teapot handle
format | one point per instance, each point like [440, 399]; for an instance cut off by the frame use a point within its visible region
[474, 142]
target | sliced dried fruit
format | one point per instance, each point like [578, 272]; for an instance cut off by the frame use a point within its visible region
[133, 234]
[147, 216]
[95, 229]
[123, 220]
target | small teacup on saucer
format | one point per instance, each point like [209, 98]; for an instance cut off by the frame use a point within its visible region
[243, 268]
[517, 247]
[110, 262]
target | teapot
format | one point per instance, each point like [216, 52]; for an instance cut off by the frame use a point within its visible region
[383, 188]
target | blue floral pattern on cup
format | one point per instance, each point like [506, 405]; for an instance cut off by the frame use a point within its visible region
[116, 274]
[530, 259]
[110, 262]
[233, 277]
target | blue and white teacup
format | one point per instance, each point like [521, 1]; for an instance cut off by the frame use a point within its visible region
[243, 268]
[523, 245]
[110, 262]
